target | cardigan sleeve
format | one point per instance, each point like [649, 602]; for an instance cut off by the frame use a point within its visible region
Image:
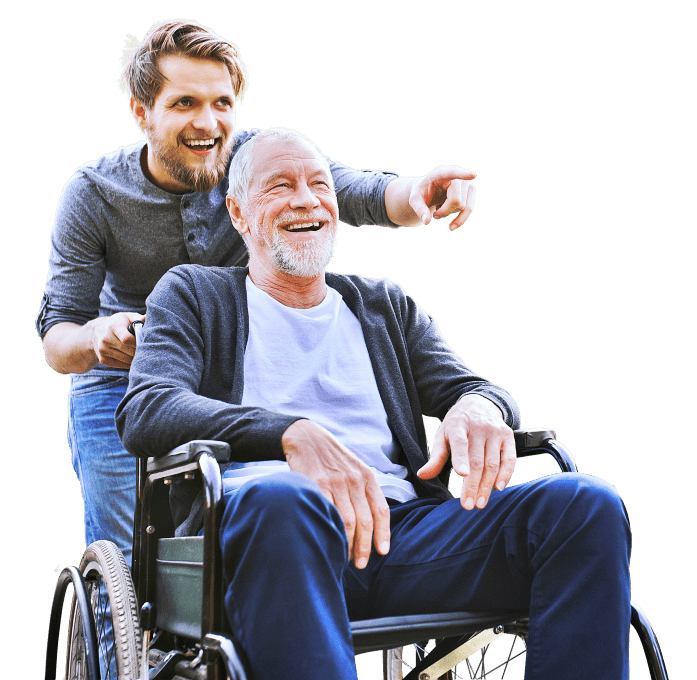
[177, 392]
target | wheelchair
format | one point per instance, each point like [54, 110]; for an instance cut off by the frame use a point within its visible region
[167, 620]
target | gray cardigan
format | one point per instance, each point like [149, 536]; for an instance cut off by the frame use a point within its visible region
[186, 380]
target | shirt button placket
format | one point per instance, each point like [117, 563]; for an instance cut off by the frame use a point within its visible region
[189, 226]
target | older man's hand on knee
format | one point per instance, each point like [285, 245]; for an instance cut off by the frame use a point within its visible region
[346, 481]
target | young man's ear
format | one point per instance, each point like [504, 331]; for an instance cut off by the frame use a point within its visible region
[140, 113]
[238, 220]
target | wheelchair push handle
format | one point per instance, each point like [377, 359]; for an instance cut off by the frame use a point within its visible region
[136, 328]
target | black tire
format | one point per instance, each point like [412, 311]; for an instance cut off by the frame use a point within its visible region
[113, 601]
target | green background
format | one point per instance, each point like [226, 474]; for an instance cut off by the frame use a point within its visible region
[570, 285]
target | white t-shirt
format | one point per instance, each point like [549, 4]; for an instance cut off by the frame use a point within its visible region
[314, 363]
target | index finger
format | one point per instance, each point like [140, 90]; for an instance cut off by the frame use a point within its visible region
[126, 339]
[450, 172]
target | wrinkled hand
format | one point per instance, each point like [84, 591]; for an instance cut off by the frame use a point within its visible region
[344, 480]
[112, 342]
[481, 446]
[445, 190]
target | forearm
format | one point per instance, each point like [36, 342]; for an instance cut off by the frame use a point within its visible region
[69, 347]
[157, 415]
[361, 195]
[397, 202]
[184, 382]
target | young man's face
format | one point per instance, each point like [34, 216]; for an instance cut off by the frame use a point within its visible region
[190, 127]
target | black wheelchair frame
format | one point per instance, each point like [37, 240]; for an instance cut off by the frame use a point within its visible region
[208, 653]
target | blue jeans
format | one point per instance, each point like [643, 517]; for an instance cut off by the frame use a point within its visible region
[558, 546]
[107, 472]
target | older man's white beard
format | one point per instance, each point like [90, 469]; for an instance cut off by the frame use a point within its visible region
[302, 258]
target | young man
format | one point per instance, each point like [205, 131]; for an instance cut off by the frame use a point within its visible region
[126, 219]
[318, 382]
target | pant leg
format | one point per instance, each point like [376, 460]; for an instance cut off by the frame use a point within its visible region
[107, 475]
[105, 469]
[559, 545]
[284, 551]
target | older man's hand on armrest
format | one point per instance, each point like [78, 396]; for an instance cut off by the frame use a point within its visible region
[482, 448]
[346, 481]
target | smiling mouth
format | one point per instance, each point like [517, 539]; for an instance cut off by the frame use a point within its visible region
[303, 227]
[200, 144]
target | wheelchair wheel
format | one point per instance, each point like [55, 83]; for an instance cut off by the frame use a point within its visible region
[502, 658]
[113, 602]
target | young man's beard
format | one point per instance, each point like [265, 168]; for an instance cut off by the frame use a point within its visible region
[201, 178]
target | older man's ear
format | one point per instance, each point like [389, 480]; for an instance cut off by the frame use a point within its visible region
[238, 220]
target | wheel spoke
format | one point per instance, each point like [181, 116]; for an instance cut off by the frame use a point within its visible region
[494, 661]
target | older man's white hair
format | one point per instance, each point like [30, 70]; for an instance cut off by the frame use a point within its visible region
[240, 174]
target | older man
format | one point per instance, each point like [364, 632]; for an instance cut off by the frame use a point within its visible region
[127, 218]
[333, 509]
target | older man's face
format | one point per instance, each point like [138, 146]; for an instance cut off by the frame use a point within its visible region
[291, 209]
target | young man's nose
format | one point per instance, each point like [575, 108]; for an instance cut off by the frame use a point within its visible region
[205, 119]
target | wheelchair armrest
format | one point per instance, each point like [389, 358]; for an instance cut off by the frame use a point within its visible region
[534, 442]
[188, 453]
[531, 439]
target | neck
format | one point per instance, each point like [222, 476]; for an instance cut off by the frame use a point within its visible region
[157, 176]
[291, 291]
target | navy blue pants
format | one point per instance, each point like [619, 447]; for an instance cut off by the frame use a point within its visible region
[559, 545]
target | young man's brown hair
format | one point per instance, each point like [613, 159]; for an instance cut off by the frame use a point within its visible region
[141, 75]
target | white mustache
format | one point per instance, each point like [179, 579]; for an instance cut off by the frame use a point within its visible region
[318, 215]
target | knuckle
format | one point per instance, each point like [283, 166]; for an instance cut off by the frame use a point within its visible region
[476, 463]
[383, 511]
[365, 524]
[355, 476]
[492, 466]
[458, 437]
[508, 456]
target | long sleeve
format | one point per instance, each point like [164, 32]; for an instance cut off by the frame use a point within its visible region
[186, 380]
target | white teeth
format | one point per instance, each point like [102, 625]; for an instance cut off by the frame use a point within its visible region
[199, 142]
[296, 227]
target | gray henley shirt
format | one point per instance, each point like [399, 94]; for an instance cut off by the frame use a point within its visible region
[116, 233]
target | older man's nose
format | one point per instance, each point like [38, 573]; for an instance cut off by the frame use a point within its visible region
[303, 197]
